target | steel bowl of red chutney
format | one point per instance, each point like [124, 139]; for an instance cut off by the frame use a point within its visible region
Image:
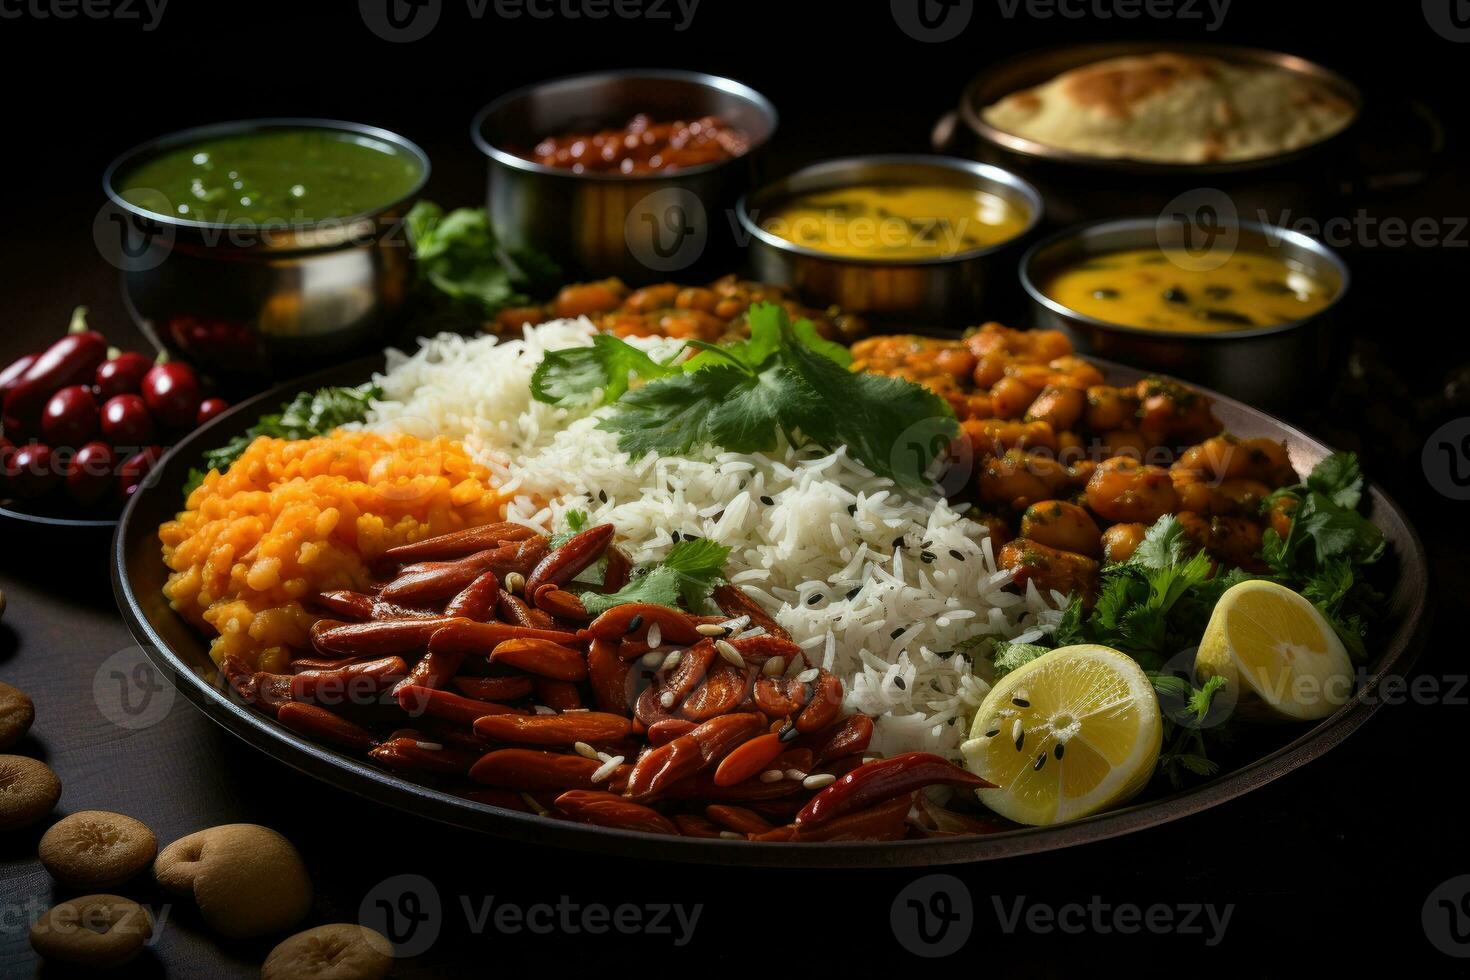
[265, 247]
[631, 174]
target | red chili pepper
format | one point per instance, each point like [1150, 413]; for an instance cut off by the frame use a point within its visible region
[11, 376]
[882, 780]
[71, 360]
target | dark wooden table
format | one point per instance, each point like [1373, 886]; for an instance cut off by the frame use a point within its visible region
[1326, 866]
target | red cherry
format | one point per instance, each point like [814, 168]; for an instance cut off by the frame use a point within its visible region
[89, 475]
[123, 375]
[32, 471]
[70, 416]
[172, 393]
[126, 422]
[209, 408]
[135, 470]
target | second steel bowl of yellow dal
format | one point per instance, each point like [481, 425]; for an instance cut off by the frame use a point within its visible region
[1247, 309]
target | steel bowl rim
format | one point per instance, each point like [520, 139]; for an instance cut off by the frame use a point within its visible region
[1033, 291]
[987, 171]
[1035, 150]
[241, 126]
[345, 772]
[721, 83]
[9, 512]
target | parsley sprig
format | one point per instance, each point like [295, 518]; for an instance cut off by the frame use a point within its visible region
[785, 380]
[688, 573]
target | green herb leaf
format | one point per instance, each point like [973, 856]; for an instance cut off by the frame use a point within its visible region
[689, 573]
[458, 254]
[574, 375]
[1009, 656]
[308, 414]
[1339, 478]
[784, 379]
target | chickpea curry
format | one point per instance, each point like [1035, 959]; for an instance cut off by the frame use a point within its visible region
[710, 313]
[1072, 471]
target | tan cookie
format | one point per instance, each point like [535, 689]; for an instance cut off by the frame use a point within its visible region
[97, 849]
[341, 951]
[16, 714]
[94, 932]
[28, 791]
[248, 880]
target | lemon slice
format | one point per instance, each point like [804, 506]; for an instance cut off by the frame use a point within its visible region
[1279, 653]
[1075, 731]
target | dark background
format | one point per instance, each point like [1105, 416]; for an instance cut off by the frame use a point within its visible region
[1326, 867]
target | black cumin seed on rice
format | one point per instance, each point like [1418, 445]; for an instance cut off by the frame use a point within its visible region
[852, 593]
[851, 509]
[1040, 761]
[992, 733]
[927, 557]
[956, 554]
[602, 495]
[814, 598]
[898, 682]
[896, 633]
[898, 541]
[635, 622]
[767, 501]
[1021, 702]
[675, 536]
[1061, 747]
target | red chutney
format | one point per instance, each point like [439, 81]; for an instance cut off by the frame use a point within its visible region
[643, 146]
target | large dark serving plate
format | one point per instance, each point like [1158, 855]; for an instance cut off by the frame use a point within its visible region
[182, 654]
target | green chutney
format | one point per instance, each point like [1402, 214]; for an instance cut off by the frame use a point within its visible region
[273, 176]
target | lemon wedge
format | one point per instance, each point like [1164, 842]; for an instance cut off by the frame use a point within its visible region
[1075, 731]
[1277, 651]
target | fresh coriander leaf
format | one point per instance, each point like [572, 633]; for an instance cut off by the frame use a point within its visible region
[458, 254]
[876, 417]
[575, 521]
[1009, 656]
[1163, 545]
[1201, 698]
[689, 572]
[574, 375]
[1339, 478]
[308, 414]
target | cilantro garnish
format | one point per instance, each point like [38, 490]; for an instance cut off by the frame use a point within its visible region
[689, 573]
[459, 255]
[311, 413]
[742, 397]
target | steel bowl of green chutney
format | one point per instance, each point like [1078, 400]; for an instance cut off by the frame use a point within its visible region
[265, 247]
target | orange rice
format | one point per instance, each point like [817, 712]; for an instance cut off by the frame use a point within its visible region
[293, 518]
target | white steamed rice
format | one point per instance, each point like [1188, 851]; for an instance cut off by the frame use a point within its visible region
[883, 588]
